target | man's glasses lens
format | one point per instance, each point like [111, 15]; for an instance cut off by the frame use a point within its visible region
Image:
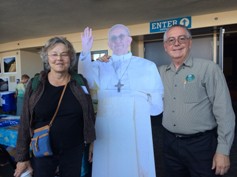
[181, 40]
[120, 37]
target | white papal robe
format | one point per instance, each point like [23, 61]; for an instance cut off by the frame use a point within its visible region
[123, 145]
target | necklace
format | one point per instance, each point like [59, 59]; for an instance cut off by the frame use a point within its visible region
[119, 84]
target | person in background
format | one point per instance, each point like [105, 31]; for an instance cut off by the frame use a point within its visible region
[129, 90]
[198, 117]
[19, 94]
[74, 122]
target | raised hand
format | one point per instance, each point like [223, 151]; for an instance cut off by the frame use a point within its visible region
[87, 40]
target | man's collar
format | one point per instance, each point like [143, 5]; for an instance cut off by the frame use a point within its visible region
[188, 62]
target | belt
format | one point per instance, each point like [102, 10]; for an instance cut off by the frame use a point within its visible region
[186, 136]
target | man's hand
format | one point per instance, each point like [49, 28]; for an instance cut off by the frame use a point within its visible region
[87, 40]
[104, 58]
[221, 163]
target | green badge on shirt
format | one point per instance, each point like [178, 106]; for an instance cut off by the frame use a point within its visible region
[190, 77]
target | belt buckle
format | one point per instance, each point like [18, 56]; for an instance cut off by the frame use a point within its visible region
[179, 136]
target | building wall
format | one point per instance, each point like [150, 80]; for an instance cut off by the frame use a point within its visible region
[31, 63]
[12, 76]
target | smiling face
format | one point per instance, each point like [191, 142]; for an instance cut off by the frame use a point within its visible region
[177, 44]
[119, 41]
[58, 58]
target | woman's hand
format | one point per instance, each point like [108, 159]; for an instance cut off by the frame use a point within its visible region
[90, 159]
[21, 167]
[87, 40]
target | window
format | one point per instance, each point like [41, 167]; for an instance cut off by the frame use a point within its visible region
[97, 54]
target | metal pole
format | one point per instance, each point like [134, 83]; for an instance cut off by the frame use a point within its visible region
[221, 48]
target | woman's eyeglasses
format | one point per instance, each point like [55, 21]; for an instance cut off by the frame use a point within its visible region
[61, 55]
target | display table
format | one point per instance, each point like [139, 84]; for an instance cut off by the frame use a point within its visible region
[8, 133]
[8, 136]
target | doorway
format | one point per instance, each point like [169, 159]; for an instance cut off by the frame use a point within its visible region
[230, 65]
[230, 72]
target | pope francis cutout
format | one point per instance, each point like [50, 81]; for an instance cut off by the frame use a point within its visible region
[129, 91]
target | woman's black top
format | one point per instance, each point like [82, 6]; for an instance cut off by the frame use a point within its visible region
[67, 128]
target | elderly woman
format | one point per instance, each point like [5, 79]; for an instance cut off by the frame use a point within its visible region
[74, 121]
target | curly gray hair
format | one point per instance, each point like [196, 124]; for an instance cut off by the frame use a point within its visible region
[50, 44]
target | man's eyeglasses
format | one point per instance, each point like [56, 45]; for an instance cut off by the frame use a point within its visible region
[181, 40]
[120, 37]
[61, 55]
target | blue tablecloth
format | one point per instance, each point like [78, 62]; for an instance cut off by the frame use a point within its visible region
[8, 130]
[8, 136]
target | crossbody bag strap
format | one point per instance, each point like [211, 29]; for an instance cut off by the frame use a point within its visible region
[59, 102]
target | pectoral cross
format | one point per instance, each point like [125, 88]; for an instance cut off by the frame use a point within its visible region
[119, 85]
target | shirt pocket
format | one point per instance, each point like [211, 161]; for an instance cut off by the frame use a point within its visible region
[193, 92]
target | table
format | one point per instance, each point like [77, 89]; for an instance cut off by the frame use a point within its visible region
[8, 136]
